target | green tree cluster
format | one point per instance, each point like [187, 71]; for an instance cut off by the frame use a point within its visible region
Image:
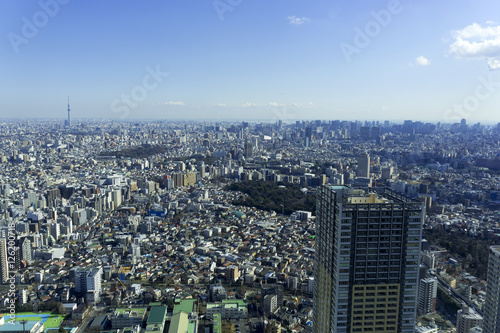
[267, 195]
[473, 251]
[143, 151]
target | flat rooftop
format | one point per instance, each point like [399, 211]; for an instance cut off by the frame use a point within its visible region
[186, 305]
[133, 312]
[374, 195]
[157, 315]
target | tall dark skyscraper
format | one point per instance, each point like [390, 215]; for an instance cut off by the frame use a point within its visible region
[363, 165]
[366, 261]
[492, 306]
[4, 265]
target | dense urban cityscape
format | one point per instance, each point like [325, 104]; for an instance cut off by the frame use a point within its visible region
[158, 226]
[232, 166]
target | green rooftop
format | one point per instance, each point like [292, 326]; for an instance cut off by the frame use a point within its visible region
[179, 323]
[229, 304]
[240, 302]
[217, 323]
[186, 305]
[157, 315]
[238, 214]
[138, 312]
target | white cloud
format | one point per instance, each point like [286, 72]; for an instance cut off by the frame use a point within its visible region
[275, 104]
[179, 103]
[309, 105]
[298, 20]
[422, 61]
[477, 42]
[249, 105]
[221, 105]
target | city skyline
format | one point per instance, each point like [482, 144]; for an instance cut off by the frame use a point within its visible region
[241, 60]
[319, 226]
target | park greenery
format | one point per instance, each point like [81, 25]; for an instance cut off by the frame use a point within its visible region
[142, 151]
[449, 304]
[473, 252]
[271, 196]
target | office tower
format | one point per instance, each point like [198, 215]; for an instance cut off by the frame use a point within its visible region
[387, 173]
[55, 230]
[363, 166]
[26, 250]
[217, 293]
[375, 133]
[308, 132]
[23, 296]
[366, 260]
[491, 307]
[270, 304]
[66, 225]
[248, 149]
[4, 266]
[5, 189]
[467, 318]
[427, 294]
[79, 217]
[52, 196]
[17, 257]
[88, 280]
[32, 199]
[365, 133]
[135, 251]
[275, 289]
[232, 273]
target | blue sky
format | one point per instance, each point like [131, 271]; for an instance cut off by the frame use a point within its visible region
[257, 60]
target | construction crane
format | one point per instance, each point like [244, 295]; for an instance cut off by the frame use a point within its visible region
[124, 286]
